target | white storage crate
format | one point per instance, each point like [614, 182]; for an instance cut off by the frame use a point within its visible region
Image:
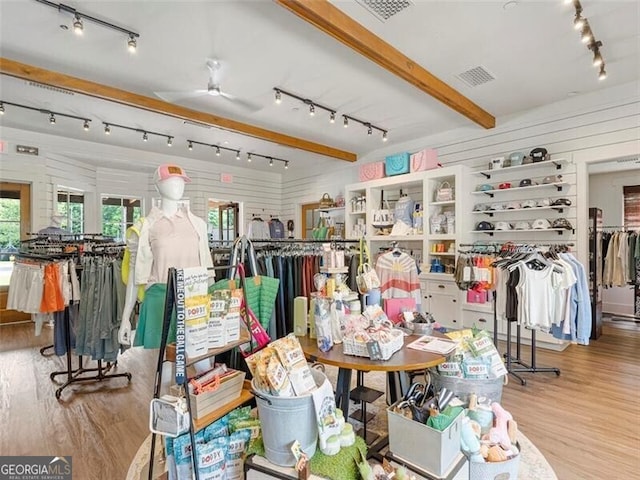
[425, 447]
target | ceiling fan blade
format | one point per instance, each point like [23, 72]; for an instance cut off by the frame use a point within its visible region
[176, 96]
[247, 105]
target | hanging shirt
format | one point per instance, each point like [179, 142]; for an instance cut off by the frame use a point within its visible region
[258, 230]
[398, 275]
[276, 228]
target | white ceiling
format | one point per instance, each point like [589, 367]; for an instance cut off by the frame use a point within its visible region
[531, 49]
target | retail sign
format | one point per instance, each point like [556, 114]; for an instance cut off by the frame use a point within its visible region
[27, 150]
[35, 468]
[180, 329]
[226, 178]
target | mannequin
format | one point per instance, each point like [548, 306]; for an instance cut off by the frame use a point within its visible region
[55, 227]
[170, 236]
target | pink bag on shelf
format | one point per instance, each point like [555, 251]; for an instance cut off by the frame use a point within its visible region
[426, 159]
[371, 171]
[476, 296]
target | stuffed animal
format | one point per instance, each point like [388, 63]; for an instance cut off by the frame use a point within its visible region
[500, 432]
[469, 442]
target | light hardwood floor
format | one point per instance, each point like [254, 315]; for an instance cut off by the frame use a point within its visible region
[586, 422]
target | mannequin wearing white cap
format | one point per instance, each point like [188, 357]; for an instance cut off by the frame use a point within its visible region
[170, 236]
[55, 227]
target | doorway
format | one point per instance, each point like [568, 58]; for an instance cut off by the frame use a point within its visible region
[310, 217]
[223, 221]
[15, 223]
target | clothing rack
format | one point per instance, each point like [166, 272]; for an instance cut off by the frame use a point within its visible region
[304, 240]
[73, 375]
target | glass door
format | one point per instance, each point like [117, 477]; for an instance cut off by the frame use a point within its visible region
[15, 223]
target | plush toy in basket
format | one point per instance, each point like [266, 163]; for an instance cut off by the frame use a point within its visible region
[372, 335]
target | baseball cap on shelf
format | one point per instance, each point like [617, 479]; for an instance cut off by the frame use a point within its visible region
[166, 171]
[516, 158]
[545, 202]
[513, 206]
[526, 182]
[503, 226]
[539, 154]
[541, 224]
[552, 179]
[479, 207]
[496, 206]
[522, 226]
[485, 226]
[529, 204]
[560, 202]
[527, 160]
[562, 223]
[504, 185]
[484, 187]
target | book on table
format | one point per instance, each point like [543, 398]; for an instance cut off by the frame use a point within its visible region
[428, 343]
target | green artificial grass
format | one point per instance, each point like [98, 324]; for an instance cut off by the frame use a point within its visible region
[341, 466]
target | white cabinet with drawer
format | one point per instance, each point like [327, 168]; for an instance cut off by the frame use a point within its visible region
[442, 300]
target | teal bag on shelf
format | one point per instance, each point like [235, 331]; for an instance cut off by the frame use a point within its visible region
[396, 164]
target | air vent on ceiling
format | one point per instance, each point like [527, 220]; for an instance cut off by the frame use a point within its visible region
[476, 76]
[385, 9]
[50, 88]
[628, 160]
[196, 124]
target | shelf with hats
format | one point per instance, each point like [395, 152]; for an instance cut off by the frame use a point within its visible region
[558, 163]
[557, 185]
[559, 209]
[513, 230]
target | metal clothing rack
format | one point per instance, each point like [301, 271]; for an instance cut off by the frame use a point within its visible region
[170, 304]
[79, 374]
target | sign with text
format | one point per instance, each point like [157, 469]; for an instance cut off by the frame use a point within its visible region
[226, 178]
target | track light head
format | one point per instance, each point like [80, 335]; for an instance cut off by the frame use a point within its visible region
[248, 157]
[603, 73]
[384, 137]
[332, 117]
[132, 44]
[312, 110]
[286, 165]
[271, 162]
[578, 21]
[1, 108]
[345, 121]
[597, 58]
[369, 130]
[78, 27]
[238, 155]
[52, 119]
[107, 129]
[145, 137]
[217, 151]
[586, 36]
[169, 141]
[86, 125]
[190, 145]
[278, 97]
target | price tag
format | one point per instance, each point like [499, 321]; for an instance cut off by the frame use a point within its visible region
[375, 353]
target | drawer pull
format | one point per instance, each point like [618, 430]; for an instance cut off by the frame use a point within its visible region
[441, 286]
[483, 320]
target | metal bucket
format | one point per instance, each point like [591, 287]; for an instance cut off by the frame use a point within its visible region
[285, 420]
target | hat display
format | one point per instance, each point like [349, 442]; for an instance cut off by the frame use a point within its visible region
[561, 201]
[166, 171]
[504, 185]
[522, 226]
[545, 202]
[539, 154]
[541, 224]
[485, 226]
[496, 206]
[527, 160]
[529, 204]
[479, 207]
[516, 158]
[484, 187]
[562, 223]
[526, 182]
[503, 226]
[552, 179]
[513, 206]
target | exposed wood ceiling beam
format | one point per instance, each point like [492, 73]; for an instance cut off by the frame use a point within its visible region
[331, 20]
[86, 87]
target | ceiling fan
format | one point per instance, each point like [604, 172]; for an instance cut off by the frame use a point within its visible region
[213, 89]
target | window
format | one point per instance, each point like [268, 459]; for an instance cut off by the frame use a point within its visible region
[118, 214]
[71, 204]
[223, 221]
[631, 206]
